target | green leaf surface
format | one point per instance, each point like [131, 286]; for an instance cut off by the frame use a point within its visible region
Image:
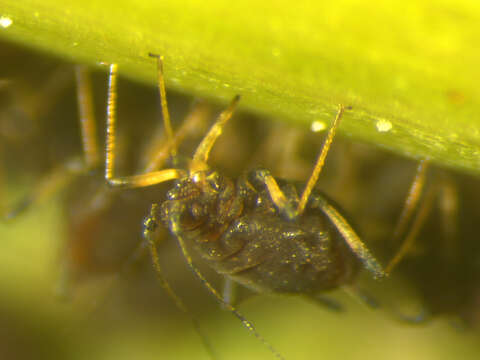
[410, 69]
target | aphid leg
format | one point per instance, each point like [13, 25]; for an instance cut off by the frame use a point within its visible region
[64, 174]
[46, 187]
[229, 291]
[349, 235]
[28, 107]
[91, 160]
[328, 302]
[422, 317]
[2, 189]
[64, 289]
[48, 95]
[87, 118]
[417, 223]
[448, 203]
[286, 206]
[175, 227]
[361, 296]
[150, 227]
[411, 202]
[69, 259]
[320, 161]
[142, 180]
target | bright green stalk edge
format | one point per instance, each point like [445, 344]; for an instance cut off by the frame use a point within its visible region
[410, 69]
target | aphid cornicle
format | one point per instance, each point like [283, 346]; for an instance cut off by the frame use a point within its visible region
[259, 232]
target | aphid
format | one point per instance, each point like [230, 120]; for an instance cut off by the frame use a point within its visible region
[253, 216]
[262, 233]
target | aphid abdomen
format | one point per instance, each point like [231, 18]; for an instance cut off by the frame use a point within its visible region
[305, 254]
[241, 234]
[287, 257]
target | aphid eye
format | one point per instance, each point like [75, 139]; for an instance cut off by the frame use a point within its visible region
[197, 177]
[172, 194]
[214, 181]
[214, 184]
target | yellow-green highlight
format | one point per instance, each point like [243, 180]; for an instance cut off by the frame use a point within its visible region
[412, 64]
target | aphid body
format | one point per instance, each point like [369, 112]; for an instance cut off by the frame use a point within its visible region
[254, 230]
[266, 234]
[260, 232]
[240, 232]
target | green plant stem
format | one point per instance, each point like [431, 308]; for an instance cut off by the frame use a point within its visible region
[409, 69]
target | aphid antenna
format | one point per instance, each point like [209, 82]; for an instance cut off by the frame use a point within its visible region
[198, 166]
[163, 101]
[203, 150]
[194, 123]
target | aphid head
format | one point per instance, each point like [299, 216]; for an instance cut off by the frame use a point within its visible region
[198, 199]
[201, 185]
[208, 181]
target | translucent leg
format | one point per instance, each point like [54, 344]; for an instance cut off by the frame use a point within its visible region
[417, 223]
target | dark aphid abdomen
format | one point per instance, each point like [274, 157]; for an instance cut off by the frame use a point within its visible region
[255, 244]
